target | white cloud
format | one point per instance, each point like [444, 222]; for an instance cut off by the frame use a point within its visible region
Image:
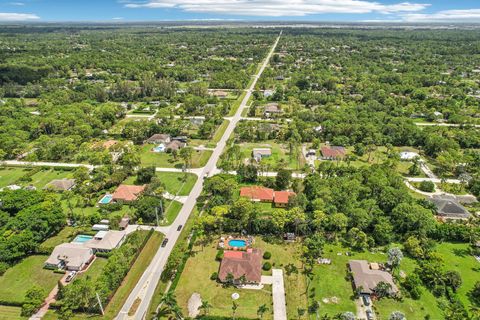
[10, 16]
[118, 18]
[16, 3]
[469, 15]
[278, 8]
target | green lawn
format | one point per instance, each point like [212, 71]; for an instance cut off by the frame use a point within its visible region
[65, 235]
[279, 153]
[175, 183]
[330, 281]
[166, 160]
[172, 209]
[95, 269]
[220, 131]
[28, 273]
[10, 313]
[12, 175]
[196, 278]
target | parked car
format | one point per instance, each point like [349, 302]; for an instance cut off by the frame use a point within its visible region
[70, 276]
[369, 314]
[164, 242]
[366, 300]
[179, 227]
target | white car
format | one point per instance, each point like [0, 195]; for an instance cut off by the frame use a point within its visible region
[70, 276]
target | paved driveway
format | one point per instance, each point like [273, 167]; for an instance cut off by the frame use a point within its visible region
[278, 293]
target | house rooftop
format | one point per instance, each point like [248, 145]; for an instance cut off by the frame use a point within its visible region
[106, 240]
[127, 192]
[333, 152]
[449, 208]
[60, 184]
[367, 278]
[242, 263]
[257, 193]
[74, 255]
[282, 197]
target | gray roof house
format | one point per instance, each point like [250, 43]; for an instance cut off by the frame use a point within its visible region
[105, 241]
[448, 208]
[366, 277]
[71, 256]
[60, 184]
[259, 153]
[158, 138]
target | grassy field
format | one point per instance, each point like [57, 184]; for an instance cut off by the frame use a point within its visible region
[330, 281]
[12, 175]
[172, 209]
[220, 131]
[28, 273]
[65, 235]
[10, 313]
[200, 267]
[279, 153]
[175, 183]
[166, 160]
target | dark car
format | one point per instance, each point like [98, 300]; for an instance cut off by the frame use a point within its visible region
[164, 242]
[369, 315]
[366, 300]
[179, 227]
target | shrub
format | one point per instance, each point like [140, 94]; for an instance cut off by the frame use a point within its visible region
[267, 266]
[3, 268]
[219, 255]
[214, 276]
[267, 255]
[427, 186]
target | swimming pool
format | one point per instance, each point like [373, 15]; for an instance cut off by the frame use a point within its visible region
[106, 199]
[237, 243]
[81, 238]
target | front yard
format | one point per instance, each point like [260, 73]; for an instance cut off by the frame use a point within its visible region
[166, 160]
[280, 157]
[18, 175]
[24, 275]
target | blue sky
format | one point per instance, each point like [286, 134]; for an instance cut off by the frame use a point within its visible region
[293, 10]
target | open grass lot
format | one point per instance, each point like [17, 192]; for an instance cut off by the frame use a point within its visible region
[280, 154]
[331, 281]
[196, 278]
[28, 273]
[220, 131]
[10, 313]
[166, 160]
[175, 183]
[12, 175]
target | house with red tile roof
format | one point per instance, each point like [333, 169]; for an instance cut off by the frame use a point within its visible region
[333, 152]
[257, 193]
[127, 193]
[281, 198]
[241, 263]
[262, 194]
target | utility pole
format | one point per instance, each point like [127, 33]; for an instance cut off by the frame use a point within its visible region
[100, 303]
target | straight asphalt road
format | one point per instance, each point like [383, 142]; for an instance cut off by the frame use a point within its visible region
[145, 288]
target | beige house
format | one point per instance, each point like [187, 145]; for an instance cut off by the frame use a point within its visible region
[105, 241]
[366, 276]
[70, 256]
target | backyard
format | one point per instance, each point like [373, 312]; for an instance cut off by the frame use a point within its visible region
[175, 183]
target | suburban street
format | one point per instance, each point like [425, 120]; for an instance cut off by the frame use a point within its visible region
[146, 286]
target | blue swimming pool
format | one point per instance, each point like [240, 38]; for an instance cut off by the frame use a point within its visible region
[236, 243]
[81, 238]
[106, 199]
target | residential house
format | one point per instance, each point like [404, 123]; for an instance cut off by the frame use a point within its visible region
[408, 155]
[127, 193]
[123, 224]
[175, 145]
[333, 152]
[106, 241]
[70, 256]
[60, 184]
[272, 109]
[449, 208]
[268, 93]
[281, 198]
[367, 276]
[220, 94]
[158, 138]
[241, 264]
[260, 153]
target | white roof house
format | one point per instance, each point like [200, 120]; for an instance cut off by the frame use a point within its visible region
[408, 155]
[106, 240]
[71, 256]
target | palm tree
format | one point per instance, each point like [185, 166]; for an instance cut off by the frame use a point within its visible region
[205, 307]
[261, 310]
[164, 312]
[234, 308]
